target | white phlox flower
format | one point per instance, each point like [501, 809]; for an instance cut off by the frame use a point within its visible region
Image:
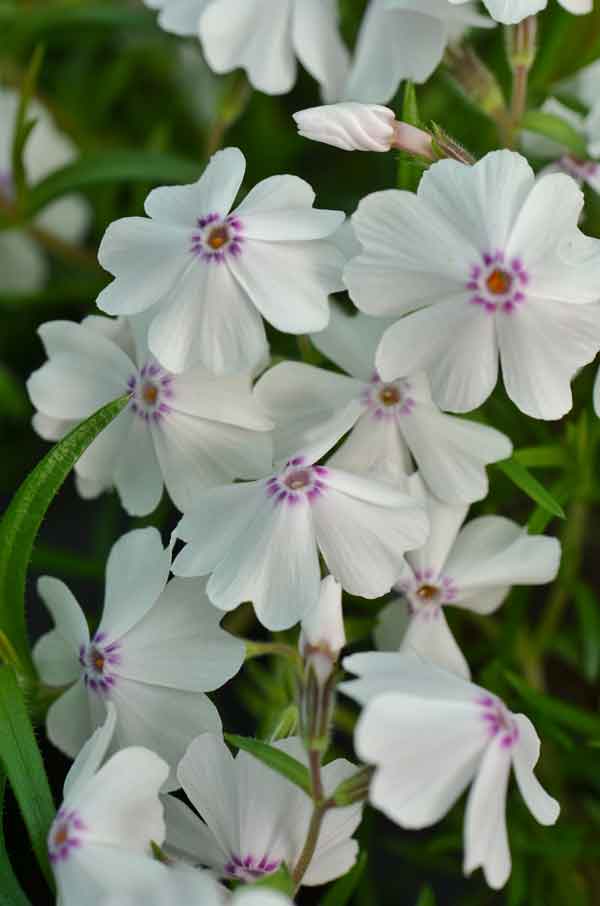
[473, 567]
[490, 266]
[208, 274]
[404, 39]
[509, 12]
[100, 839]
[188, 431]
[265, 38]
[157, 650]
[430, 734]
[255, 820]
[390, 423]
[260, 540]
[583, 171]
[23, 267]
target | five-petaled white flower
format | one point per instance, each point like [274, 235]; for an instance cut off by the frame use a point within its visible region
[264, 37]
[497, 268]
[472, 567]
[430, 733]
[260, 540]
[22, 262]
[99, 843]
[582, 170]
[188, 431]
[157, 650]
[206, 273]
[404, 39]
[389, 421]
[510, 12]
[256, 820]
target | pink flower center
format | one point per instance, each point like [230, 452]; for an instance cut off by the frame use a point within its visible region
[426, 592]
[250, 868]
[499, 721]
[496, 284]
[387, 401]
[215, 237]
[66, 834]
[151, 391]
[298, 482]
[98, 660]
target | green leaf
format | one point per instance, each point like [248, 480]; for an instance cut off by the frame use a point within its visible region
[280, 880]
[24, 767]
[111, 167]
[588, 610]
[524, 480]
[554, 127]
[545, 456]
[562, 713]
[340, 893]
[22, 519]
[410, 170]
[426, 897]
[31, 24]
[277, 760]
[10, 889]
[13, 400]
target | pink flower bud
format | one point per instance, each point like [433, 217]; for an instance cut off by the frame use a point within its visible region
[349, 126]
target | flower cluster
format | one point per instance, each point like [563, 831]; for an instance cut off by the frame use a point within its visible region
[296, 482]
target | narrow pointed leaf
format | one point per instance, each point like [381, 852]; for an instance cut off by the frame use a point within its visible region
[275, 759]
[554, 127]
[524, 480]
[11, 893]
[24, 768]
[22, 520]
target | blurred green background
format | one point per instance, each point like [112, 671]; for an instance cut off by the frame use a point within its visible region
[114, 82]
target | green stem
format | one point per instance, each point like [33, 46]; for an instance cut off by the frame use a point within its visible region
[314, 829]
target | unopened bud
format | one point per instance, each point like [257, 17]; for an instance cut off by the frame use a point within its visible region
[355, 788]
[478, 83]
[521, 43]
[362, 127]
[323, 635]
[350, 126]
[445, 146]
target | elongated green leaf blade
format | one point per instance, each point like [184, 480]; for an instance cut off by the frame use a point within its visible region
[588, 610]
[551, 126]
[111, 167]
[10, 889]
[524, 480]
[22, 519]
[340, 893]
[274, 758]
[546, 456]
[562, 713]
[24, 768]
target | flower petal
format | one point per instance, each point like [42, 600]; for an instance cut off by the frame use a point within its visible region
[374, 448]
[214, 193]
[189, 838]
[351, 341]
[542, 346]
[136, 574]
[319, 46]
[91, 756]
[393, 45]
[56, 654]
[412, 785]
[486, 839]
[68, 722]
[141, 709]
[463, 371]
[279, 209]
[300, 306]
[137, 474]
[208, 776]
[255, 36]
[180, 644]
[445, 521]
[274, 565]
[213, 527]
[525, 755]
[430, 636]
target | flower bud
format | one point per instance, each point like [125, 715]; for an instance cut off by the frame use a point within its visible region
[349, 126]
[323, 635]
